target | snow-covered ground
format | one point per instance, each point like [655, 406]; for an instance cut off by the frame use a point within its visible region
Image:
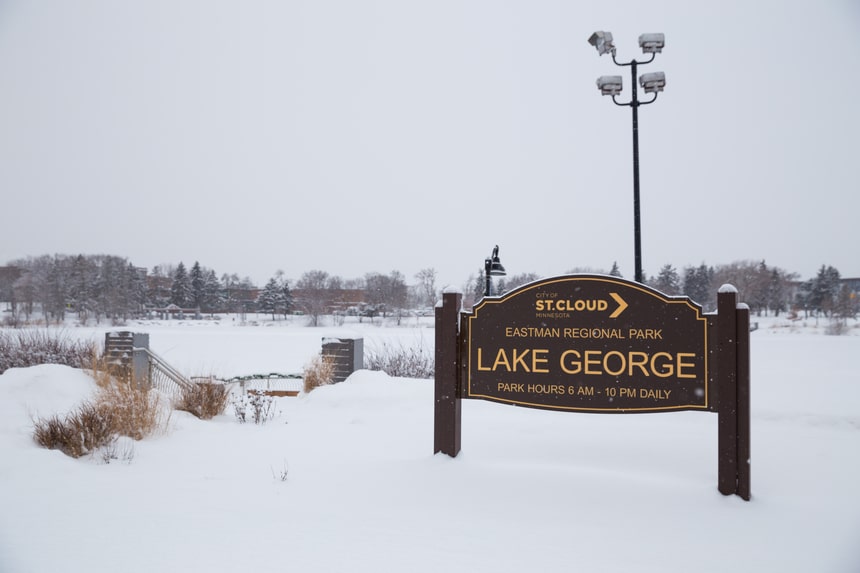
[531, 491]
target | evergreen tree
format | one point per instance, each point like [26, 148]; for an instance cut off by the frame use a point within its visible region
[115, 296]
[197, 283]
[668, 281]
[615, 272]
[824, 290]
[180, 290]
[776, 292]
[270, 297]
[803, 297]
[158, 283]
[286, 300]
[136, 287]
[81, 280]
[697, 284]
[214, 298]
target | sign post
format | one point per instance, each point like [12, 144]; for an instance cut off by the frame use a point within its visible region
[733, 374]
[447, 411]
[598, 344]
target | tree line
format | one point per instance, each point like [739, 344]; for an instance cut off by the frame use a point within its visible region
[106, 287]
[765, 289]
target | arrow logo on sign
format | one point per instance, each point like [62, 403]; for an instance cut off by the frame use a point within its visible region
[621, 305]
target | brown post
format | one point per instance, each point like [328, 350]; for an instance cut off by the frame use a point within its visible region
[743, 379]
[727, 443]
[447, 409]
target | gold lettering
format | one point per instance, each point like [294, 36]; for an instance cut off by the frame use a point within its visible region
[606, 363]
[539, 360]
[615, 363]
[640, 362]
[589, 361]
[654, 394]
[646, 333]
[509, 387]
[501, 359]
[520, 358]
[480, 367]
[572, 367]
[666, 369]
[683, 365]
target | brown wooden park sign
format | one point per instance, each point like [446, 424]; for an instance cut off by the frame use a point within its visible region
[599, 344]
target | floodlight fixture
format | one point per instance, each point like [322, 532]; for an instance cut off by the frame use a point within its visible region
[609, 85]
[653, 82]
[603, 42]
[652, 43]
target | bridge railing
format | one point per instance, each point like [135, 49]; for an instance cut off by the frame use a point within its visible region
[163, 376]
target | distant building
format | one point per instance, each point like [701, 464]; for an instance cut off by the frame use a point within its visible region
[853, 284]
[334, 300]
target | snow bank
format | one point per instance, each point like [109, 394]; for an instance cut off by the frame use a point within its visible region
[39, 392]
[531, 491]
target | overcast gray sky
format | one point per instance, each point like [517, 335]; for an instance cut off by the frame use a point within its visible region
[368, 136]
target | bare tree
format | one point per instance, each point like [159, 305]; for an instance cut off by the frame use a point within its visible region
[427, 287]
[385, 293]
[313, 295]
[508, 284]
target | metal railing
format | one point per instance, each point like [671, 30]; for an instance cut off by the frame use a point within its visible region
[165, 377]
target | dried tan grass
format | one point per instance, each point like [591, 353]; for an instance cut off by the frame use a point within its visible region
[318, 372]
[83, 431]
[205, 400]
[137, 413]
[119, 408]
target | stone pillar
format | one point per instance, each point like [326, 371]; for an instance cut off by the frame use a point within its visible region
[347, 355]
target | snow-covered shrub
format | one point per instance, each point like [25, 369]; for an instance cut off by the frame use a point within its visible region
[401, 361]
[23, 348]
[255, 406]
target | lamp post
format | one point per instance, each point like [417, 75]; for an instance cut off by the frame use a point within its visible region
[652, 83]
[493, 268]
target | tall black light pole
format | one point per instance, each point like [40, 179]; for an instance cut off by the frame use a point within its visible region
[492, 268]
[652, 83]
